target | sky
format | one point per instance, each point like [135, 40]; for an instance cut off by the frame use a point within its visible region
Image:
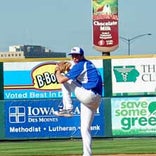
[62, 24]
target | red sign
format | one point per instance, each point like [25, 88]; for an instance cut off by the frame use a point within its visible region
[105, 25]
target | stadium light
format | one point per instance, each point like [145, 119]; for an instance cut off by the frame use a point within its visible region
[128, 40]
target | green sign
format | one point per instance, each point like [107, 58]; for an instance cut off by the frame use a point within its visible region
[125, 73]
[134, 116]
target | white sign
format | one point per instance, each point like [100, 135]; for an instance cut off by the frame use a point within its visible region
[135, 76]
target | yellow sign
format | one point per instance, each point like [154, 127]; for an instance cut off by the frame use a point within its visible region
[44, 78]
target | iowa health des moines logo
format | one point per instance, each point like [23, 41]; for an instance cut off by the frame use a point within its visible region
[125, 73]
[17, 114]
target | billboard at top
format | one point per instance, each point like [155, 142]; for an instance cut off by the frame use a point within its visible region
[105, 25]
[34, 80]
[134, 76]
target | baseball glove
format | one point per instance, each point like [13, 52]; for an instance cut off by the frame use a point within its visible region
[63, 66]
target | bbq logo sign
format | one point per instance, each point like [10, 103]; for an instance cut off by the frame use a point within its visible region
[27, 80]
[136, 76]
[34, 80]
[134, 116]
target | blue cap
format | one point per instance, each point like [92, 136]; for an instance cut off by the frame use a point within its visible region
[76, 50]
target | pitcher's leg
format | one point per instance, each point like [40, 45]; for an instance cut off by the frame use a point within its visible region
[87, 116]
[66, 96]
[87, 97]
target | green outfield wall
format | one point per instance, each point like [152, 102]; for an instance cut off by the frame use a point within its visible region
[30, 93]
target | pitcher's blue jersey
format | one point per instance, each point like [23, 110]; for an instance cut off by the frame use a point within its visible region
[86, 74]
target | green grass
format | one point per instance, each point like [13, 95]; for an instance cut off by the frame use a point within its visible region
[67, 147]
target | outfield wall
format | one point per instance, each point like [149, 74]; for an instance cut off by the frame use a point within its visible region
[30, 94]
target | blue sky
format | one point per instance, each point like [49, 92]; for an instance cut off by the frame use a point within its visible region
[60, 25]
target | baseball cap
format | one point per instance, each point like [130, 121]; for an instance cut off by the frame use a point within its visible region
[76, 50]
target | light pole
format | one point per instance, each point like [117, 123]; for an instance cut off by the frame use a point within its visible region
[133, 38]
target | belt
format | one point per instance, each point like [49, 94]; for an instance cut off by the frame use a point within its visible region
[94, 91]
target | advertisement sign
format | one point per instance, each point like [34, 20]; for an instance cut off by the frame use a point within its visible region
[134, 116]
[35, 119]
[134, 76]
[105, 25]
[34, 80]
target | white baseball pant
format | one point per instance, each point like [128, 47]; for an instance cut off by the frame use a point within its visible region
[89, 102]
